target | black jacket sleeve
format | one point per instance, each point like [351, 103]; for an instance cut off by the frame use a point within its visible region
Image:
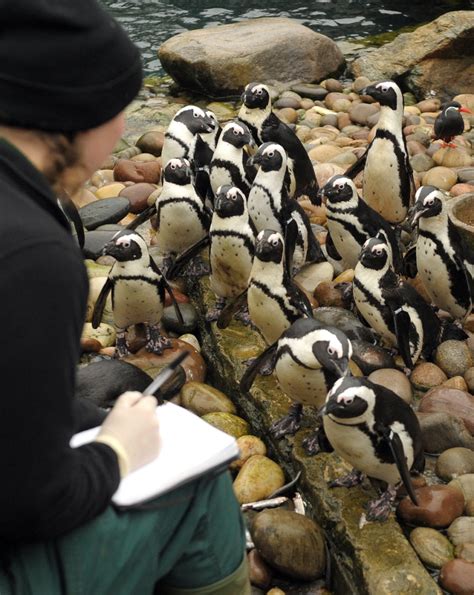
[48, 488]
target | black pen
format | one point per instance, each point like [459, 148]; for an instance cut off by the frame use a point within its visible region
[164, 376]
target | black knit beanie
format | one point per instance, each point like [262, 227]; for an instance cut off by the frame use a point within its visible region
[65, 65]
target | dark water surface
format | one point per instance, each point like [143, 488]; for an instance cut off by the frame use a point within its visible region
[151, 22]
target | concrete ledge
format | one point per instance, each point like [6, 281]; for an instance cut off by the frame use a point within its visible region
[377, 560]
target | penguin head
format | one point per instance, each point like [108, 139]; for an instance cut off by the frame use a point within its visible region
[270, 157]
[126, 246]
[350, 400]
[177, 171]
[333, 350]
[386, 93]
[237, 134]
[270, 246]
[229, 202]
[375, 254]
[195, 119]
[257, 96]
[429, 202]
[339, 189]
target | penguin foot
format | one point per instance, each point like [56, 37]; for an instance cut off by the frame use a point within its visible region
[289, 424]
[197, 268]
[379, 510]
[244, 316]
[348, 481]
[317, 442]
[267, 368]
[213, 315]
[121, 347]
[155, 343]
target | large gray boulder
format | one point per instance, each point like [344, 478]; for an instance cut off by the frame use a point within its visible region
[220, 61]
[437, 57]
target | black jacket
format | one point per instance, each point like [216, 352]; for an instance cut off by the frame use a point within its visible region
[47, 488]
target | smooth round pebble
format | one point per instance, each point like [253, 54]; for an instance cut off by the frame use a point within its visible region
[465, 484]
[440, 177]
[456, 382]
[432, 547]
[427, 375]
[453, 357]
[457, 577]
[450, 400]
[192, 340]
[260, 573]
[465, 552]
[258, 478]
[248, 446]
[395, 380]
[228, 423]
[469, 378]
[438, 506]
[151, 142]
[454, 462]
[202, 398]
[461, 530]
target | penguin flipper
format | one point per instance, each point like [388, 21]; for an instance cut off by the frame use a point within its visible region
[229, 310]
[299, 300]
[401, 323]
[185, 257]
[73, 214]
[358, 166]
[176, 307]
[250, 374]
[99, 306]
[291, 234]
[410, 267]
[141, 218]
[398, 453]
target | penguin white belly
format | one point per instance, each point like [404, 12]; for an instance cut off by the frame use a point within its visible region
[347, 247]
[373, 316]
[381, 188]
[219, 176]
[172, 150]
[261, 213]
[266, 314]
[231, 264]
[303, 385]
[417, 346]
[136, 301]
[179, 227]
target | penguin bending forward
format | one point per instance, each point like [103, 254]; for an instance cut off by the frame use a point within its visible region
[374, 430]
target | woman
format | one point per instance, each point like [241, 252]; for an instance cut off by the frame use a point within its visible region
[67, 72]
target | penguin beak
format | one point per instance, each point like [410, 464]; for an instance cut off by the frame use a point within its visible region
[329, 407]
[340, 366]
[110, 249]
[416, 213]
[255, 159]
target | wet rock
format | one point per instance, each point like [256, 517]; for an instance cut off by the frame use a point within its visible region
[100, 212]
[465, 484]
[395, 380]
[171, 322]
[109, 190]
[228, 423]
[191, 339]
[259, 572]
[371, 357]
[201, 399]
[134, 171]
[345, 321]
[257, 479]
[291, 543]
[454, 358]
[427, 375]
[104, 333]
[451, 401]
[441, 177]
[137, 195]
[461, 530]
[248, 446]
[454, 462]
[95, 241]
[311, 275]
[151, 142]
[438, 506]
[433, 548]
[457, 577]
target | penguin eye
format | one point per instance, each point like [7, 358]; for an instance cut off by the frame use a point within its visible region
[429, 202]
[126, 244]
[259, 91]
[236, 131]
[173, 165]
[378, 251]
[384, 89]
[348, 400]
[340, 186]
[233, 196]
[270, 154]
[331, 350]
[275, 243]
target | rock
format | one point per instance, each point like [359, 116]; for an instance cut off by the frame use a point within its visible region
[421, 162]
[461, 530]
[438, 506]
[277, 49]
[228, 423]
[450, 157]
[434, 56]
[95, 241]
[171, 322]
[441, 431]
[201, 399]
[324, 153]
[328, 295]
[290, 542]
[95, 287]
[151, 142]
[191, 339]
[284, 102]
[100, 212]
[465, 552]
[456, 382]
[441, 177]
[333, 85]
[346, 322]
[469, 379]
[134, 171]
[311, 91]
[311, 275]
[454, 358]
[287, 115]
[460, 189]
[360, 83]
[248, 446]
[469, 509]
[276, 591]
[90, 346]
[137, 195]
[466, 174]
[259, 572]
[454, 462]
[83, 197]
[104, 333]
[359, 112]
[457, 577]
[427, 375]
[109, 190]
[96, 270]
[465, 484]
[433, 548]
[371, 357]
[258, 478]
[325, 171]
[394, 380]
[452, 401]
[338, 102]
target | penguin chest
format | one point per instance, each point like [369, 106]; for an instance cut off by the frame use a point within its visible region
[303, 385]
[346, 245]
[136, 301]
[382, 180]
[261, 211]
[373, 312]
[179, 227]
[415, 332]
[231, 264]
[219, 176]
[266, 313]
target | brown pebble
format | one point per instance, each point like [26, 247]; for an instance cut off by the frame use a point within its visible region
[134, 171]
[138, 195]
[465, 551]
[438, 506]
[327, 295]
[90, 345]
[456, 382]
[151, 142]
[427, 375]
[457, 577]
[450, 400]
[259, 572]
[469, 379]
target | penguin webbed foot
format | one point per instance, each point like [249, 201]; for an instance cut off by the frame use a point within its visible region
[155, 343]
[213, 314]
[350, 480]
[244, 316]
[379, 510]
[197, 268]
[289, 424]
[121, 347]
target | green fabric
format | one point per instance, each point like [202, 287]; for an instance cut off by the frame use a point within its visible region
[190, 538]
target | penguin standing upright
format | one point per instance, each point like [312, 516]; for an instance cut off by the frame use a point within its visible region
[393, 308]
[449, 122]
[138, 292]
[256, 113]
[229, 161]
[388, 178]
[351, 222]
[442, 262]
[374, 430]
[232, 246]
[204, 147]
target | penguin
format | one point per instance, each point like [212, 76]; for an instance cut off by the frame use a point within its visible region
[449, 123]
[374, 430]
[271, 208]
[388, 177]
[308, 358]
[351, 222]
[274, 301]
[441, 260]
[393, 308]
[138, 292]
[232, 246]
[256, 113]
[229, 162]
[181, 135]
[204, 148]
[182, 218]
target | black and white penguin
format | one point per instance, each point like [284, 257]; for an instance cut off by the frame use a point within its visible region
[274, 301]
[205, 145]
[374, 430]
[182, 218]
[351, 222]
[232, 246]
[138, 292]
[393, 308]
[449, 122]
[388, 178]
[181, 135]
[442, 263]
[229, 162]
[256, 113]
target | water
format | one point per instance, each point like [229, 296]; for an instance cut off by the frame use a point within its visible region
[151, 22]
